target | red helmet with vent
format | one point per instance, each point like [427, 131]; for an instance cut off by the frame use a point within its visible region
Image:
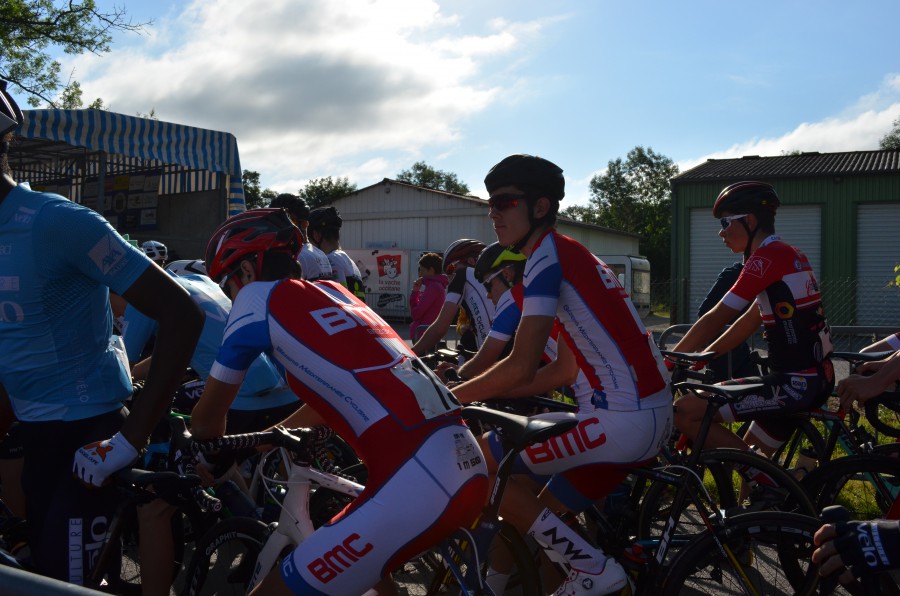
[250, 234]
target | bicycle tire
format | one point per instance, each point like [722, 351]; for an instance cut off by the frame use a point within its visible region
[123, 571]
[883, 413]
[806, 438]
[428, 574]
[773, 549]
[224, 558]
[866, 485]
[721, 463]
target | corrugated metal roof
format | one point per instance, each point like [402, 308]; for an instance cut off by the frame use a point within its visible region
[806, 164]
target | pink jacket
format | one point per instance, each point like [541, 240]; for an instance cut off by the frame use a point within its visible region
[426, 303]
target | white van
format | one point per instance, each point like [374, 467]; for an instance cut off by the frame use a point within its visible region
[634, 275]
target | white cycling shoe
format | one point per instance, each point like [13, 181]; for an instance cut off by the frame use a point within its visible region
[611, 580]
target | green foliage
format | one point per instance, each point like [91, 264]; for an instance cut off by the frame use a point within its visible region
[892, 139]
[253, 196]
[324, 191]
[634, 196]
[28, 28]
[421, 174]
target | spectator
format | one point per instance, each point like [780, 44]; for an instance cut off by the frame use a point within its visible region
[428, 294]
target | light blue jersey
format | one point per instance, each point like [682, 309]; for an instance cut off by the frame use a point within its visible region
[58, 261]
[263, 387]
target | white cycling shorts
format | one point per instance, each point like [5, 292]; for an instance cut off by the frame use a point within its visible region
[441, 487]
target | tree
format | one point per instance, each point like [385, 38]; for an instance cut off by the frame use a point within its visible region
[28, 28]
[421, 174]
[892, 139]
[324, 191]
[253, 196]
[634, 196]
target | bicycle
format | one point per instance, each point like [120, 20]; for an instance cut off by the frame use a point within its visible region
[732, 472]
[843, 432]
[763, 552]
[237, 553]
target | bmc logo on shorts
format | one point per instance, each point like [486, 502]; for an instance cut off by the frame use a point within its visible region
[578, 440]
[339, 559]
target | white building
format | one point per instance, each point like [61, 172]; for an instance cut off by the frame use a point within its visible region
[388, 225]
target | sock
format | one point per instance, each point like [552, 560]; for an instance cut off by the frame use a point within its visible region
[552, 532]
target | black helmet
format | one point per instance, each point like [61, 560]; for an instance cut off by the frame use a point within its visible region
[528, 171]
[749, 196]
[295, 206]
[11, 116]
[460, 250]
[324, 217]
[493, 257]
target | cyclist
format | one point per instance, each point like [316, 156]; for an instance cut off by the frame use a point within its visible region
[850, 549]
[356, 375]
[779, 279]
[263, 400]
[313, 262]
[324, 233]
[65, 382]
[498, 270]
[629, 415]
[156, 252]
[464, 291]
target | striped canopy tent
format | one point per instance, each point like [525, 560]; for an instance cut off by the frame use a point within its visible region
[76, 145]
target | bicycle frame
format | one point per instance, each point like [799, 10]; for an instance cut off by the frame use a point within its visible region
[294, 523]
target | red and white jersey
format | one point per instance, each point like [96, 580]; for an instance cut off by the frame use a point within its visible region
[343, 360]
[599, 322]
[780, 279]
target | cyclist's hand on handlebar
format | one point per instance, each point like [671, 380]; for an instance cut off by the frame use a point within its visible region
[860, 546]
[442, 369]
[96, 462]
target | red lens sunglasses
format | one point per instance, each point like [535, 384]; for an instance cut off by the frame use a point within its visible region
[505, 201]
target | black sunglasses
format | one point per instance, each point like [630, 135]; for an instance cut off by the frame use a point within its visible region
[505, 201]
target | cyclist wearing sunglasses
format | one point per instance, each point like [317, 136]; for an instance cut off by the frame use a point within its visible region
[626, 416]
[779, 279]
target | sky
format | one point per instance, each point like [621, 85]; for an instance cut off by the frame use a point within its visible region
[363, 89]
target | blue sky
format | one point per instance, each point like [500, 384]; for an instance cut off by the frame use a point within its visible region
[364, 89]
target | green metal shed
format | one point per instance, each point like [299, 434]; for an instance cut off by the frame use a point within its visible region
[841, 209]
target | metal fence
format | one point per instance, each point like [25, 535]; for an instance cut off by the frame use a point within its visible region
[854, 301]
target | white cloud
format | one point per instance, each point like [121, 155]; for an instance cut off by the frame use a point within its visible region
[307, 86]
[857, 132]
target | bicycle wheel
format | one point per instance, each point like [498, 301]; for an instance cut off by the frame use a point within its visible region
[431, 572]
[731, 490]
[123, 571]
[868, 486]
[224, 558]
[771, 555]
[806, 440]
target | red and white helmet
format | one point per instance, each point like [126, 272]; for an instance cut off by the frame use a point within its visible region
[250, 234]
